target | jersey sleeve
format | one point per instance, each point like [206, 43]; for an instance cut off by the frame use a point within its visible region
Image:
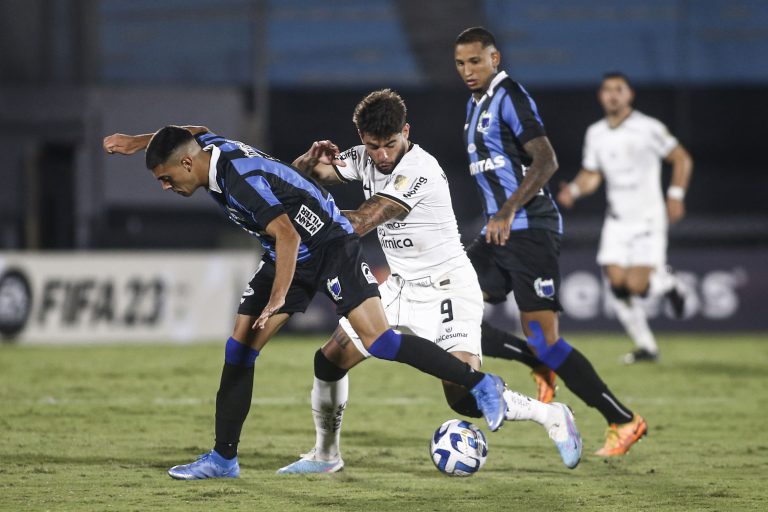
[353, 171]
[253, 197]
[589, 159]
[207, 138]
[519, 111]
[662, 141]
[408, 186]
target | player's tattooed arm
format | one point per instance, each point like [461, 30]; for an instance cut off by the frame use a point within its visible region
[319, 161]
[374, 211]
[538, 174]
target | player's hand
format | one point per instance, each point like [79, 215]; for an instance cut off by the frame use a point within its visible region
[497, 229]
[325, 152]
[271, 308]
[564, 197]
[120, 143]
[675, 210]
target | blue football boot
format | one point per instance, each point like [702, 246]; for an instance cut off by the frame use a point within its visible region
[208, 465]
[488, 394]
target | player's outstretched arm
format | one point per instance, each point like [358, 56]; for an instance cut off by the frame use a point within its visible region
[682, 168]
[318, 162]
[374, 211]
[287, 242]
[541, 170]
[123, 144]
[585, 183]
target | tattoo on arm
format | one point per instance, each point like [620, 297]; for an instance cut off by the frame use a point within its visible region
[374, 211]
[541, 170]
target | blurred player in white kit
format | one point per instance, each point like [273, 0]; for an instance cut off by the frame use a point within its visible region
[625, 149]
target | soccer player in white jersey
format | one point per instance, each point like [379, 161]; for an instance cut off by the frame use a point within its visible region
[625, 149]
[433, 289]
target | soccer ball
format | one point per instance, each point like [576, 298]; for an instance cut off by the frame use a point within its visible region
[458, 448]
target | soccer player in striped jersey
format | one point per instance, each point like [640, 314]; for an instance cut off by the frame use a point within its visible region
[309, 246]
[432, 290]
[512, 160]
[625, 149]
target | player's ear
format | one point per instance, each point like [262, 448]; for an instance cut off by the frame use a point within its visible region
[495, 58]
[406, 130]
[186, 162]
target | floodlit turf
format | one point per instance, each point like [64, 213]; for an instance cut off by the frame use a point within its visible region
[95, 428]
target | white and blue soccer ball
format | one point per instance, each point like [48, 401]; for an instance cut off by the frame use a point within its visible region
[458, 448]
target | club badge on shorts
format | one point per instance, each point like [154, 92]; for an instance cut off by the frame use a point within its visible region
[545, 288]
[334, 288]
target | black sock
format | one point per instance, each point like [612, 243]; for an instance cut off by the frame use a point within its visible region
[580, 377]
[429, 358]
[326, 370]
[505, 345]
[467, 406]
[233, 401]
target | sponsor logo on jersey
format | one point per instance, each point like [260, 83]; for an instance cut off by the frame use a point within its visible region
[448, 336]
[247, 150]
[395, 225]
[350, 153]
[401, 182]
[395, 243]
[416, 186]
[484, 123]
[471, 148]
[545, 288]
[308, 220]
[334, 288]
[368, 274]
[488, 164]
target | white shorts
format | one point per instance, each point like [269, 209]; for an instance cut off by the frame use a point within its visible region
[641, 244]
[448, 310]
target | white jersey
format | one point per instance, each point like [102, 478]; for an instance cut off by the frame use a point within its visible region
[426, 243]
[629, 157]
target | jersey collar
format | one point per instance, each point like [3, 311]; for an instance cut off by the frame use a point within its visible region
[215, 153]
[501, 75]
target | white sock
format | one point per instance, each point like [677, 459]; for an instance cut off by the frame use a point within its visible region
[661, 281]
[632, 316]
[521, 407]
[328, 402]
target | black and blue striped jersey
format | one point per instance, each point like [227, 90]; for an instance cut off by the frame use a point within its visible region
[497, 127]
[254, 189]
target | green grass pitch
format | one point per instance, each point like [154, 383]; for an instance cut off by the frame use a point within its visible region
[96, 427]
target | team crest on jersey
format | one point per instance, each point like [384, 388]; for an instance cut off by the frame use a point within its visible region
[334, 288]
[309, 220]
[545, 288]
[368, 274]
[484, 123]
[401, 182]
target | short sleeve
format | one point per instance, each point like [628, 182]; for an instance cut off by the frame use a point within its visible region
[589, 159]
[661, 140]
[520, 113]
[253, 198]
[353, 171]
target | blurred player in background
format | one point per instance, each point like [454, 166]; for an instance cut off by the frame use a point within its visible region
[432, 291]
[625, 149]
[309, 246]
[512, 160]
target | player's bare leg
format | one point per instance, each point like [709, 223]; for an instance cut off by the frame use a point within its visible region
[233, 400]
[629, 285]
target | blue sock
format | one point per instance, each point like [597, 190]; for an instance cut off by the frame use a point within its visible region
[551, 355]
[386, 346]
[239, 354]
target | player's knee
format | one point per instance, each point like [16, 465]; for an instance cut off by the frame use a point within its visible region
[326, 370]
[639, 287]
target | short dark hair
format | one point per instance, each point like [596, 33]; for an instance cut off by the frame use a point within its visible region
[617, 74]
[476, 35]
[164, 143]
[381, 114]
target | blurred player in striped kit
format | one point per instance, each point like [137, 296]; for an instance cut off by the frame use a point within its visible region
[625, 150]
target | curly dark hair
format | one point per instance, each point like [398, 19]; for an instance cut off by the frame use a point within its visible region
[164, 143]
[380, 114]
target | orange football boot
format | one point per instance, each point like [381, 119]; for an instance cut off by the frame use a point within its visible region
[619, 438]
[545, 382]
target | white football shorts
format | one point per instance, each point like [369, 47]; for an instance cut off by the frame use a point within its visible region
[640, 244]
[447, 310]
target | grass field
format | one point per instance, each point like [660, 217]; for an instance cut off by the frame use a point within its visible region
[95, 428]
